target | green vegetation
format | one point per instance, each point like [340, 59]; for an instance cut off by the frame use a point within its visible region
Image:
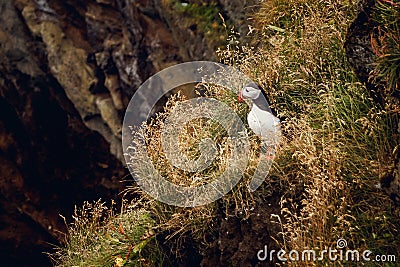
[386, 44]
[204, 16]
[99, 237]
[337, 144]
[204, 13]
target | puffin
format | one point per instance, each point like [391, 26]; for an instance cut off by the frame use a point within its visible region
[261, 119]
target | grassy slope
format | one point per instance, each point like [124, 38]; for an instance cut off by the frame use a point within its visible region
[337, 145]
[339, 142]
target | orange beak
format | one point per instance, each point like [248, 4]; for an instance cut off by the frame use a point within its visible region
[240, 98]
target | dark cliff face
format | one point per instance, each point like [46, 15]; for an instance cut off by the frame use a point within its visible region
[68, 71]
[359, 48]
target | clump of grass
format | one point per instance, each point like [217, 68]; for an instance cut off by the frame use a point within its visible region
[99, 237]
[198, 223]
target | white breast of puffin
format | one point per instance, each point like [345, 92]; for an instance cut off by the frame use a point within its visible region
[261, 122]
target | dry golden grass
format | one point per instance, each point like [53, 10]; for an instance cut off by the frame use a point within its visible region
[336, 143]
[199, 223]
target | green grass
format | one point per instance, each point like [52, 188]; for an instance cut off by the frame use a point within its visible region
[99, 237]
[386, 44]
[205, 17]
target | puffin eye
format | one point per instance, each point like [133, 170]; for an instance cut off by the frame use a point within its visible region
[247, 90]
